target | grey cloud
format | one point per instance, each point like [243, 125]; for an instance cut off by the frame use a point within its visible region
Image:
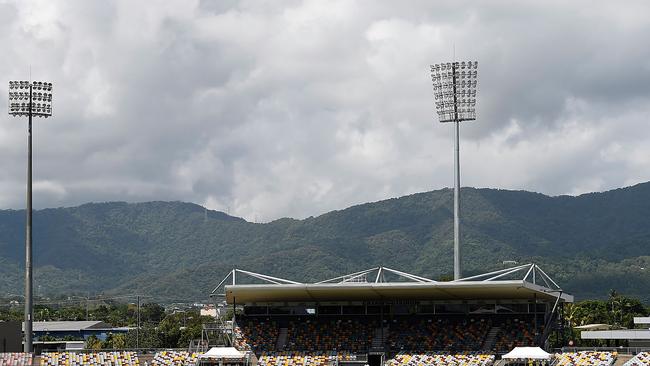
[292, 109]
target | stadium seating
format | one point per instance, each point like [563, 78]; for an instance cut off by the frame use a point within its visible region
[89, 359]
[515, 333]
[585, 358]
[256, 334]
[641, 359]
[15, 359]
[293, 358]
[405, 333]
[330, 334]
[426, 334]
[174, 358]
[432, 358]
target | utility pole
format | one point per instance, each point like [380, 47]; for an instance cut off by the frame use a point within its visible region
[137, 332]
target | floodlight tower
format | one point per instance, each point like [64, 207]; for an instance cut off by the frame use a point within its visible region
[454, 89]
[28, 99]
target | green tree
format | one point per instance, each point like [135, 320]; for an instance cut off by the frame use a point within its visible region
[151, 313]
[93, 342]
[119, 341]
[114, 341]
[149, 338]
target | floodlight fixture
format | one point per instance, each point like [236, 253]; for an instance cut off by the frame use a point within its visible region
[29, 99]
[454, 92]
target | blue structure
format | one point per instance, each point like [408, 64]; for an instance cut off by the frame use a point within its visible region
[75, 329]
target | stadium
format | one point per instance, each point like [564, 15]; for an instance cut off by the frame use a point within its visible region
[386, 317]
[377, 317]
[383, 316]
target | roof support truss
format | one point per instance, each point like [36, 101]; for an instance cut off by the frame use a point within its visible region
[530, 273]
[380, 276]
[232, 275]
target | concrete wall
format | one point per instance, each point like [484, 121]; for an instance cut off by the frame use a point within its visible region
[11, 337]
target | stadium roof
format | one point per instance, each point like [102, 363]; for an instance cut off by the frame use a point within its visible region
[629, 334]
[642, 320]
[520, 282]
[70, 326]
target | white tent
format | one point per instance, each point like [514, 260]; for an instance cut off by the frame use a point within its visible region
[529, 353]
[223, 352]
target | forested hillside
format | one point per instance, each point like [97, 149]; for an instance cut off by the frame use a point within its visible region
[590, 244]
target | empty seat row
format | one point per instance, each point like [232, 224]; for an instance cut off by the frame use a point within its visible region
[15, 359]
[641, 359]
[122, 358]
[434, 358]
[585, 358]
[174, 358]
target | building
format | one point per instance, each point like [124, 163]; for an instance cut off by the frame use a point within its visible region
[639, 337]
[78, 330]
[363, 316]
[10, 337]
[209, 310]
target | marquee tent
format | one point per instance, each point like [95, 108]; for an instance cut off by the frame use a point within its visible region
[528, 353]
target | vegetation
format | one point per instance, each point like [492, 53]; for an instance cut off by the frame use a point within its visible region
[175, 250]
[116, 314]
[617, 311]
[174, 329]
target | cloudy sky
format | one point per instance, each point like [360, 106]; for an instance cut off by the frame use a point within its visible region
[294, 108]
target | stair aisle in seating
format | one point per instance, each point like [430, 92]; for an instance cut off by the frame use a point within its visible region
[622, 359]
[491, 338]
[282, 339]
[379, 340]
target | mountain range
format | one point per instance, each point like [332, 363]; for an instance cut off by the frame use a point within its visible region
[589, 244]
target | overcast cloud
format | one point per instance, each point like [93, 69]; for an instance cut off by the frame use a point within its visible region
[294, 108]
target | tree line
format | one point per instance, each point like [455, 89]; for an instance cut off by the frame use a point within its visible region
[617, 311]
[158, 328]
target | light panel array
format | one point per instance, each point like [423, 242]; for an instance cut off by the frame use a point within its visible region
[41, 101]
[454, 89]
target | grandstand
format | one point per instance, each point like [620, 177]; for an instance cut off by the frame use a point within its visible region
[174, 358]
[15, 359]
[99, 358]
[430, 358]
[121, 358]
[585, 358]
[384, 316]
[377, 317]
[641, 359]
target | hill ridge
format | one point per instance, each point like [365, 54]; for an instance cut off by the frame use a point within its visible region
[588, 243]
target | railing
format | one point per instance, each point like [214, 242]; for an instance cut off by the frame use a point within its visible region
[621, 350]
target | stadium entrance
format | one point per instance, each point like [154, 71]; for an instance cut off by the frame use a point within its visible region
[360, 317]
[375, 359]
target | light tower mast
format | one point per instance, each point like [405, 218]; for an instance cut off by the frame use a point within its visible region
[454, 90]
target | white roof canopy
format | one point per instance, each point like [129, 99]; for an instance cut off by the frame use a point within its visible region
[528, 353]
[520, 282]
[595, 327]
[223, 352]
